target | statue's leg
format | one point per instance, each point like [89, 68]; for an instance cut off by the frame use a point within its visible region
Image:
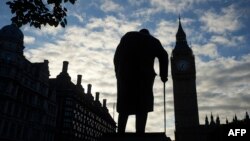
[122, 121]
[140, 123]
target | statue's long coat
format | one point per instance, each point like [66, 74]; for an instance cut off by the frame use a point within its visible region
[134, 68]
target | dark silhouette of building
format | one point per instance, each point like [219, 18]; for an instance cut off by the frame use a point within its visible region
[79, 116]
[36, 108]
[215, 131]
[27, 109]
[184, 88]
[187, 127]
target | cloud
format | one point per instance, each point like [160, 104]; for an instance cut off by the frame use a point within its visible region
[45, 30]
[29, 40]
[229, 41]
[175, 6]
[110, 6]
[207, 50]
[165, 31]
[80, 17]
[226, 20]
[145, 14]
[136, 2]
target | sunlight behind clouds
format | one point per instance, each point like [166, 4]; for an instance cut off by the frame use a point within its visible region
[95, 28]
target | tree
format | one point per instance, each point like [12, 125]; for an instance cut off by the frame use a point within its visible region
[39, 12]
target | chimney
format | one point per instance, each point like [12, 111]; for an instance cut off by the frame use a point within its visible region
[46, 61]
[89, 89]
[104, 102]
[97, 96]
[65, 66]
[79, 80]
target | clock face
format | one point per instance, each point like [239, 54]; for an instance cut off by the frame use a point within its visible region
[183, 65]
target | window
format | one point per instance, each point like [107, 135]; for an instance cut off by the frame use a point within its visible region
[3, 85]
[67, 125]
[8, 131]
[66, 113]
[10, 87]
[68, 102]
[19, 129]
[1, 126]
[6, 107]
[68, 109]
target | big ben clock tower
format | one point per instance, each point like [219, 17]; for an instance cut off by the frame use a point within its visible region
[184, 88]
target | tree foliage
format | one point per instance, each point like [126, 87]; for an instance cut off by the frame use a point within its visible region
[39, 12]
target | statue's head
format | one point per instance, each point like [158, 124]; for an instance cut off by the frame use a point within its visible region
[144, 31]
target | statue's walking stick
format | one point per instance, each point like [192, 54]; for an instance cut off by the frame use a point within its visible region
[164, 93]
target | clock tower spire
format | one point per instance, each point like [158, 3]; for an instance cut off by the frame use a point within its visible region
[181, 46]
[180, 35]
[184, 87]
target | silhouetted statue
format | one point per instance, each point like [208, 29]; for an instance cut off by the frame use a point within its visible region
[134, 68]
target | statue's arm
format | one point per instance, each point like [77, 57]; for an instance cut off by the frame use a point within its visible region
[163, 62]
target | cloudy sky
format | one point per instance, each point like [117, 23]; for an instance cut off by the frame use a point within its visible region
[217, 31]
